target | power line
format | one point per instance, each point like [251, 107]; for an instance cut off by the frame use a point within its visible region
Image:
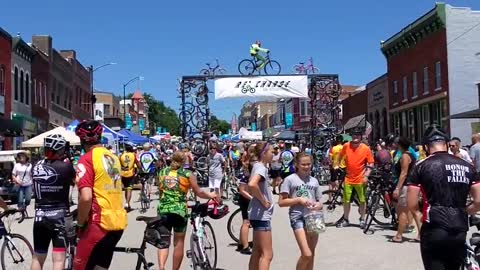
[464, 33]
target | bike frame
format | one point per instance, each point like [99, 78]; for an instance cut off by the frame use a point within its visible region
[139, 251]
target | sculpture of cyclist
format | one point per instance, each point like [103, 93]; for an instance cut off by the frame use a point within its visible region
[254, 52]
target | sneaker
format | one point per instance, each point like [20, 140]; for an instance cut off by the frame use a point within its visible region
[362, 223]
[342, 223]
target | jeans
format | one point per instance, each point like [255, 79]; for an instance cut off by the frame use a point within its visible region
[24, 196]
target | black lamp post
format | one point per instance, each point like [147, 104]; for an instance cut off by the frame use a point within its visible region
[93, 98]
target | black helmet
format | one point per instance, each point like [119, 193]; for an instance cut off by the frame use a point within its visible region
[357, 131]
[89, 131]
[435, 133]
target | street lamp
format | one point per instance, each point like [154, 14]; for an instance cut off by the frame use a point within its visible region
[139, 78]
[92, 96]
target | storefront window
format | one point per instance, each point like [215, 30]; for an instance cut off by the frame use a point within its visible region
[396, 123]
[426, 116]
[411, 125]
[403, 131]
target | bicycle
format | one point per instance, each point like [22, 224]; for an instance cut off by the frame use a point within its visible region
[212, 71]
[202, 238]
[234, 225]
[145, 180]
[301, 68]
[15, 246]
[249, 66]
[152, 236]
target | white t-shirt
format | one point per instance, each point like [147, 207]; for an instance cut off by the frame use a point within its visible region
[295, 149]
[464, 155]
[23, 172]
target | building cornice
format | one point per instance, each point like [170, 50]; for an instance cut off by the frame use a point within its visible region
[5, 34]
[409, 36]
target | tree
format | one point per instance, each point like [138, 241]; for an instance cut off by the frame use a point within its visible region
[218, 125]
[161, 115]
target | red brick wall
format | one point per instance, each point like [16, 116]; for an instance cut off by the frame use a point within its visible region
[425, 54]
[40, 73]
[354, 106]
[6, 62]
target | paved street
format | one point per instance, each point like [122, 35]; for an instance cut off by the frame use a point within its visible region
[340, 249]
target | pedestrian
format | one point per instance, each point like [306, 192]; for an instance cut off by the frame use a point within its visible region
[215, 170]
[260, 209]
[455, 148]
[403, 170]
[445, 182]
[275, 169]
[22, 177]
[101, 217]
[301, 192]
[128, 160]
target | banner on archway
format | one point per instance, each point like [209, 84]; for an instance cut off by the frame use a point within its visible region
[262, 86]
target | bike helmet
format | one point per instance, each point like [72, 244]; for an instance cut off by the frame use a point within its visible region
[89, 131]
[435, 133]
[54, 142]
[357, 131]
[218, 211]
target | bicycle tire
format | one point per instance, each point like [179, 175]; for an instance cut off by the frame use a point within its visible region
[337, 199]
[298, 69]
[246, 67]
[273, 66]
[206, 225]
[378, 220]
[202, 95]
[4, 247]
[205, 72]
[185, 116]
[201, 124]
[324, 116]
[338, 126]
[315, 70]
[230, 229]
[220, 71]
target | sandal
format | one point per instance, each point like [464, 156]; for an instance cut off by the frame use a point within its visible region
[395, 241]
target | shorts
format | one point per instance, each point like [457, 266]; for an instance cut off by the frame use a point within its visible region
[214, 182]
[46, 230]
[127, 182]
[442, 249]
[297, 223]
[402, 199]
[337, 174]
[261, 225]
[274, 173]
[348, 189]
[95, 247]
[174, 222]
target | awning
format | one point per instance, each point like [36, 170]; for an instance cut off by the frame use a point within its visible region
[357, 121]
[10, 128]
[286, 135]
[467, 115]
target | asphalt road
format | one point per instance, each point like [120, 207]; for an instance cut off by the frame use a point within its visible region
[338, 248]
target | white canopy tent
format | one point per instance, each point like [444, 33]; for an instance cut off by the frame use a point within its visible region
[38, 140]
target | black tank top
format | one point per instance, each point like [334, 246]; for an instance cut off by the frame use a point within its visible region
[398, 167]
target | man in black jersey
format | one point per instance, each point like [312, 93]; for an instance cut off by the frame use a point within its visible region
[52, 178]
[445, 182]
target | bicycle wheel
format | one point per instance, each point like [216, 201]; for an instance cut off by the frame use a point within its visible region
[220, 71]
[298, 69]
[16, 251]
[185, 116]
[202, 96]
[210, 244]
[324, 116]
[378, 213]
[337, 198]
[315, 70]
[246, 67]
[234, 223]
[272, 68]
[205, 72]
[338, 126]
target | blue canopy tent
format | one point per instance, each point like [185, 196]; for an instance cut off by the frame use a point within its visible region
[225, 137]
[73, 125]
[133, 137]
[236, 138]
[107, 132]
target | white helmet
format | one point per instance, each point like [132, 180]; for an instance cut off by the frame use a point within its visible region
[146, 145]
[54, 142]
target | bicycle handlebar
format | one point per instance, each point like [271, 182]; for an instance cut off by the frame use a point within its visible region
[9, 212]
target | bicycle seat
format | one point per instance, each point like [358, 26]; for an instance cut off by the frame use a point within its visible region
[149, 220]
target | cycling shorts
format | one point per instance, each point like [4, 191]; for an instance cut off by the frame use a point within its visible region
[175, 222]
[127, 182]
[95, 247]
[442, 249]
[360, 189]
[50, 226]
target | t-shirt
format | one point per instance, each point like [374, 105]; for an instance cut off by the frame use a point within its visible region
[256, 211]
[445, 182]
[99, 170]
[51, 182]
[215, 165]
[475, 155]
[463, 155]
[23, 172]
[147, 160]
[296, 187]
[127, 160]
[174, 185]
[334, 152]
[355, 161]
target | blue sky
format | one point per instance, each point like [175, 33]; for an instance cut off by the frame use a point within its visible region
[163, 40]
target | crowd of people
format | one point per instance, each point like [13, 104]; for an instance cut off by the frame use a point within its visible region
[439, 171]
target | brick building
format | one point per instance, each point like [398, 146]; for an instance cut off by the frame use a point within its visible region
[354, 106]
[40, 87]
[110, 107]
[378, 107]
[80, 89]
[433, 70]
[22, 57]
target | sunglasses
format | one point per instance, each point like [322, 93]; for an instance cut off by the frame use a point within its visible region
[451, 145]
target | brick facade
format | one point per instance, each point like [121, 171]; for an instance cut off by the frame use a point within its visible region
[354, 105]
[5, 80]
[40, 90]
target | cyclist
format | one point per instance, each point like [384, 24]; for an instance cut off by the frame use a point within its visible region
[148, 162]
[174, 183]
[52, 179]
[101, 216]
[445, 182]
[357, 155]
[254, 52]
[128, 160]
[275, 169]
[337, 172]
